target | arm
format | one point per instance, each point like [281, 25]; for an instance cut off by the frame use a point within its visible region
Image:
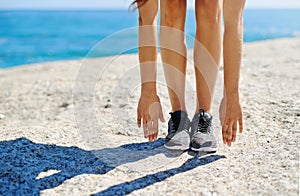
[149, 109]
[233, 41]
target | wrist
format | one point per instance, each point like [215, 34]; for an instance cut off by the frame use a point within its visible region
[232, 96]
[231, 90]
[148, 88]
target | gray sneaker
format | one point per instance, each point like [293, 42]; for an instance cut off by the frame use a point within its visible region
[203, 138]
[178, 137]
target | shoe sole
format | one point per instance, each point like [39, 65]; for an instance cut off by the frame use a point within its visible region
[176, 147]
[205, 149]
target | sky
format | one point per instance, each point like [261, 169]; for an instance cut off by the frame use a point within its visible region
[123, 4]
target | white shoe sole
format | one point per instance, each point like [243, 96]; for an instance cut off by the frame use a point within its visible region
[205, 149]
[177, 147]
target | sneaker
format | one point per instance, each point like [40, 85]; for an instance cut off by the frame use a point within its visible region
[178, 137]
[203, 138]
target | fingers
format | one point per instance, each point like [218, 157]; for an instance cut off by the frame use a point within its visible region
[241, 125]
[145, 128]
[148, 127]
[149, 112]
[161, 116]
[155, 129]
[229, 134]
[229, 131]
[234, 129]
[224, 134]
[139, 118]
[150, 130]
[232, 115]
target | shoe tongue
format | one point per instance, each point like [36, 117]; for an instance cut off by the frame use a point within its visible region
[205, 116]
[178, 118]
[179, 115]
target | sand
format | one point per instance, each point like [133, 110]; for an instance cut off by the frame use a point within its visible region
[50, 144]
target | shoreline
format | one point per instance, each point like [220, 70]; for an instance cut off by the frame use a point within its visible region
[189, 49]
[55, 157]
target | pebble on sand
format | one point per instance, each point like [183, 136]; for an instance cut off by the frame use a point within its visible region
[2, 116]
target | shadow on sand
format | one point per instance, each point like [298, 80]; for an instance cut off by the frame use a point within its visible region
[23, 160]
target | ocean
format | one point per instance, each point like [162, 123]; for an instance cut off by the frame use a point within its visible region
[28, 36]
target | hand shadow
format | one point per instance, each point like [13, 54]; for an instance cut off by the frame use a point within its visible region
[23, 160]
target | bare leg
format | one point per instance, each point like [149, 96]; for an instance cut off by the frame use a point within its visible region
[173, 50]
[209, 34]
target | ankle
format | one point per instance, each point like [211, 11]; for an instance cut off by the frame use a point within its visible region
[176, 109]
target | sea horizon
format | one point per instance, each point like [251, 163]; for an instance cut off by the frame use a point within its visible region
[27, 39]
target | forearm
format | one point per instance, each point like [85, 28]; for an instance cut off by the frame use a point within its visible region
[232, 46]
[148, 71]
[148, 46]
[232, 59]
[148, 58]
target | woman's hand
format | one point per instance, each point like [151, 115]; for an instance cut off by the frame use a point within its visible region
[230, 116]
[149, 111]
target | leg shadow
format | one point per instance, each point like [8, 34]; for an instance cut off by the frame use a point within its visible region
[22, 161]
[129, 187]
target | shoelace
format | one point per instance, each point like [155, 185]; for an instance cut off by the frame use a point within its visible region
[203, 124]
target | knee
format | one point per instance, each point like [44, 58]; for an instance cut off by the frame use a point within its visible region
[210, 11]
[233, 13]
[233, 19]
[172, 13]
[147, 18]
[234, 23]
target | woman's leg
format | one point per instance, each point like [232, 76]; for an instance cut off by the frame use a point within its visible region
[208, 35]
[173, 50]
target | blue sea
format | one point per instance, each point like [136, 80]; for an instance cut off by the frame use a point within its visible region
[39, 36]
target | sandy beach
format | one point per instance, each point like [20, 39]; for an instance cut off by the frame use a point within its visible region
[49, 146]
